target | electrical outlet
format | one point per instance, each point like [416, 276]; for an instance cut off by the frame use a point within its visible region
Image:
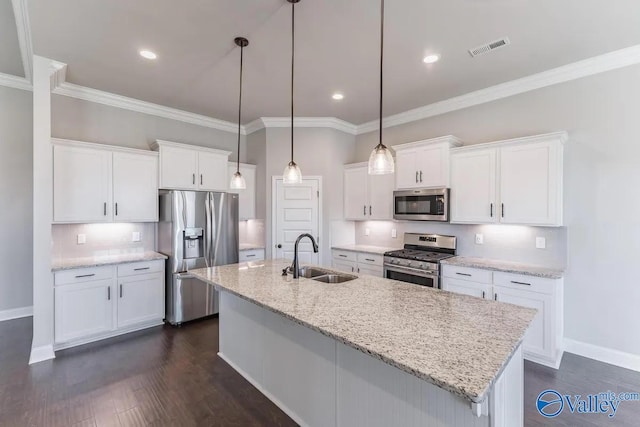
[366, 231]
[479, 239]
[541, 243]
[135, 237]
[82, 239]
[394, 233]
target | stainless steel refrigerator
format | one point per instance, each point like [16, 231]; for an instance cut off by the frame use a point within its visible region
[197, 229]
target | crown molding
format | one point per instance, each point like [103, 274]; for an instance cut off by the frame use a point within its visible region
[15, 82]
[23, 26]
[588, 67]
[301, 122]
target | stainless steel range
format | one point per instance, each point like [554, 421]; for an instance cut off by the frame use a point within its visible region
[419, 261]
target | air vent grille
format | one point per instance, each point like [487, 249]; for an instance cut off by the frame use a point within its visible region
[489, 47]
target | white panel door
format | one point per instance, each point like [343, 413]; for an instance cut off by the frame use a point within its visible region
[433, 167]
[140, 299]
[213, 169]
[247, 197]
[473, 187]
[407, 171]
[296, 212]
[178, 168]
[83, 310]
[81, 185]
[135, 187]
[479, 290]
[355, 193]
[529, 182]
[380, 189]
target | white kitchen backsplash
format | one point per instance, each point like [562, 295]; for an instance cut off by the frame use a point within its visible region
[503, 242]
[251, 232]
[101, 239]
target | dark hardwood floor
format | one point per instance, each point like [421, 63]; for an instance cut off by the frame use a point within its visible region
[172, 377]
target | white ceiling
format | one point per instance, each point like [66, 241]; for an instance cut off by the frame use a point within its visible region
[10, 59]
[337, 49]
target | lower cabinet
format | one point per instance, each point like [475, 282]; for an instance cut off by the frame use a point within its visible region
[101, 302]
[358, 262]
[543, 340]
[251, 255]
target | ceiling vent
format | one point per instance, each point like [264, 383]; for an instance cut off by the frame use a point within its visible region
[489, 47]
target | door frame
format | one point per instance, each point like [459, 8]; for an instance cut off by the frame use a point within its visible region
[274, 183]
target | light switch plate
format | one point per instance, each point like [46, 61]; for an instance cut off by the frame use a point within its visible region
[366, 232]
[82, 239]
[394, 233]
[135, 237]
[541, 243]
[479, 239]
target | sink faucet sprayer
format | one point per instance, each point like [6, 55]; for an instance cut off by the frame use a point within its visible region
[295, 267]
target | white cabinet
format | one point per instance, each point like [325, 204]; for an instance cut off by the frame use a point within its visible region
[367, 197]
[140, 299]
[357, 262]
[478, 290]
[517, 181]
[189, 167]
[251, 255]
[424, 164]
[98, 183]
[247, 197]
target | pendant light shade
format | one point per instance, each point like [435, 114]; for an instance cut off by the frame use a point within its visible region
[237, 180]
[381, 161]
[292, 173]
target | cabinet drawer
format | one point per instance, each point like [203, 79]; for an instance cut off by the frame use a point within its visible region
[83, 275]
[136, 268]
[525, 283]
[465, 273]
[252, 255]
[370, 259]
[344, 255]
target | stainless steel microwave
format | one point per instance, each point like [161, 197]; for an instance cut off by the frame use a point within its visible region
[421, 205]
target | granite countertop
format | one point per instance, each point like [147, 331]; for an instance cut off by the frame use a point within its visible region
[97, 261]
[250, 246]
[457, 342]
[367, 249]
[505, 266]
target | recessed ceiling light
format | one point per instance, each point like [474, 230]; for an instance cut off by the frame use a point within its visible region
[147, 54]
[338, 96]
[430, 59]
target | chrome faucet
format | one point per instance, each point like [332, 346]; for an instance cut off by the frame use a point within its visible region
[295, 267]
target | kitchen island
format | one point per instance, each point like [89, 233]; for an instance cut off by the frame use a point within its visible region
[371, 351]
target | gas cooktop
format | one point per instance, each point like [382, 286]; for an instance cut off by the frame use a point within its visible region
[418, 255]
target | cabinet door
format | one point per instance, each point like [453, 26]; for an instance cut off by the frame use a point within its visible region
[346, 266]
[83, 310]
[433, 166]
[247, 197]
[473, 187]
[212, 169]
[479, 290]
[407, 173]
[178, 168]
[370, 270]
[356, 206]
[140, 299]
[81, 184]
[380, 189]
[539, 337]
[530, 184]
[135, 187]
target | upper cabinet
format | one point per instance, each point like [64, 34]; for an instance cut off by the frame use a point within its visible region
[188, 167]
[517, 181]
[247, 197]
[99, 183]
[424, 164]
[367, 197]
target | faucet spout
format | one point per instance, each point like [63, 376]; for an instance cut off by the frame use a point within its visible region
[295, 267]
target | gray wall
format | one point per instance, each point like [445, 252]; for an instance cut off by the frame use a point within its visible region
[16, 195]
[601, 181]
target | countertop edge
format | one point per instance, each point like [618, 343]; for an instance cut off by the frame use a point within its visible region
[153, 256]
[365, 249]
[515, 268]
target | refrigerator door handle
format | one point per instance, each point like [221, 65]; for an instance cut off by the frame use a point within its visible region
[207, 232]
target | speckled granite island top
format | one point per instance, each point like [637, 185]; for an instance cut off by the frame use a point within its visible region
[367, 249]
[97, 261]
[505, 267]
[457, 342]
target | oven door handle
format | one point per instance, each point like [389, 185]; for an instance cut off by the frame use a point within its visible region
[414, 271]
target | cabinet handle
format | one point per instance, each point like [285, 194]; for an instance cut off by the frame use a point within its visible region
[251, 256]
[521, 283]
[358, 269]
[109, 293]
[370, 210]
[495, 297]
[463, 274]
[483, 294]
[491, 210]
[105, 208]
[116, 209]
[420, 176]
[141, 268]
[503, 210]
[364, 211]
[85, 275]
[352, 269]
[120, 290]
[200, 179]
[416, 177]
[343, 256]
[369, 259]
[193, 179]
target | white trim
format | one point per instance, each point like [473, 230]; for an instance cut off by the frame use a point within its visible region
[111, 334]
[588, 67]
[449, 139]
[98, 146]
[301, 122]
[15, 82]
[158, 143]
[603, 354]
[40, 354]
[23, 26]
[16, 313]
[561, 137]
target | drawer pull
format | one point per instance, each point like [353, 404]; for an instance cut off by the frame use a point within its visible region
[521, 283]
[141, 268]
[121, 291]
[85, 275]
[109, 293]
[463, 274]
[343, 256]
[250, 256]
[369, 259]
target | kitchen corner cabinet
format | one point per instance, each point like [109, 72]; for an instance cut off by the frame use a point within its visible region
[424, 164]
[189, 167]
[367, 197]
[99, 183]
[517, 181]
[247, 197]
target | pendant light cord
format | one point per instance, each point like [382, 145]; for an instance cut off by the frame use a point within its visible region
[381, 63]
[240, 105]
[293, 48]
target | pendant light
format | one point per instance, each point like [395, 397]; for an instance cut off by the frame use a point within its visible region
[237, 180]
[292, 173]
[381, 161]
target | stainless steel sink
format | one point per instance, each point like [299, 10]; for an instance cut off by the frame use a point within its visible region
[311, 272]
[325, 276]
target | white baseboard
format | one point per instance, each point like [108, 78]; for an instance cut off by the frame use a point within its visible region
[16, 313]
[40, 354]
[603, 354]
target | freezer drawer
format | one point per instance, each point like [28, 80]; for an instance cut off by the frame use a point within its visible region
[189, 298]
